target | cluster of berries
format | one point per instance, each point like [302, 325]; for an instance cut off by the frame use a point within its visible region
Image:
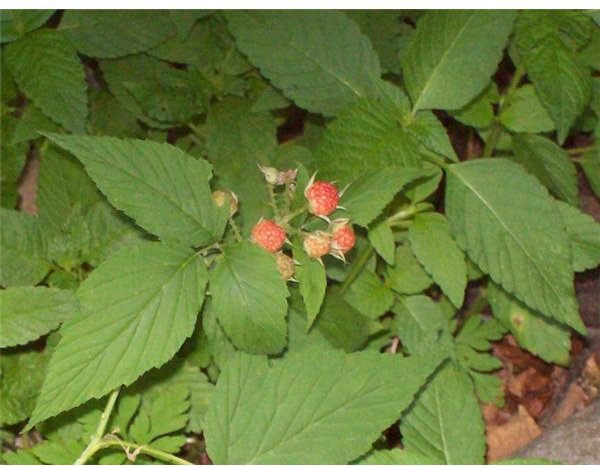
[323, 199]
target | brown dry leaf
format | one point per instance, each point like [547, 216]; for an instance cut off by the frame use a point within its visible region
[505, 439]
[574, 400]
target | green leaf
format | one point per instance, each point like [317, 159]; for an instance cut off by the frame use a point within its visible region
[369, 136]
[523, 112]
[22, 249]
[20, 457]
[430, 132]
[32, 121]
[23, 373]
[29, 312]
[236, 140]
[512, 229]
[16, 23]
[185, 19]
[138, 307]
[382, 239]
[46, 68]
[479, 112]
[445, 421]
[535, 333]
[434, 247]
[549, 163]
[12, 162]
[111, 34]
[249, 297]
[63, 184]
[590, 162]
[452, 56]
[319, 59]
[397, 456]
[546, 44]
[58, 451]
[313, 283]
[421, 323]
[366, 197]
[163, 189]
[407, 276]
[293, 405]
[342, 325]
[584, 234]
[369, 295]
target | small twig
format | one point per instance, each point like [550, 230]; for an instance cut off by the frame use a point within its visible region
[393, 348]
[235, 229]
[581, 150]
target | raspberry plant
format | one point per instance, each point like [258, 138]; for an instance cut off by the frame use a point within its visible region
[203, 278]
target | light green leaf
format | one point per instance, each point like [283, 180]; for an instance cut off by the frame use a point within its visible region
[58, 451]
[584, 233]
[397, 456]
[47, 69]
[29, 312]
[367, 196]
[369, 295]
[249, 297]
[523, 112]
[382, 239]
[319, 59]
[546, 45]
[420, 323]
[23, 373]
[445, 421]
[535, 333]
[163, 189]
[111, 34]
[512, 229]
[311, 407]
[313, 283]
[16, 23]
[434, 247]
[407, 276]
[452, 55]
[369, 136]
[549, 163]
[20, 457]
[21, 249]
[138, 307]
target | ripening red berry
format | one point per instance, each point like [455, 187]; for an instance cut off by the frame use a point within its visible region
[343, 238]
[317, 244]
[268, 235]
[322, 196]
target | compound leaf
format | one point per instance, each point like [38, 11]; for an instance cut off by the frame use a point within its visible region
[584, 234]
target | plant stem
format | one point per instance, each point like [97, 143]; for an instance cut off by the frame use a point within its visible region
[356, 268]
[235, 229]
[97, 437]
[158, 454]
[581, 150]
[274, 202]
[408, 212]
[494, 135]
[293, 214]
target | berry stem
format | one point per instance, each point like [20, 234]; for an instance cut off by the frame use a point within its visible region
[235, 229]
[274, 202]
[289, 217]
[357, 267]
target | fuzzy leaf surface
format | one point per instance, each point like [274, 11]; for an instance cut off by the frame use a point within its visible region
[311, 407]
[249, 297]
[452, 55]
[512, 229]
[319, 59]
[163, 189]
[138, 307]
